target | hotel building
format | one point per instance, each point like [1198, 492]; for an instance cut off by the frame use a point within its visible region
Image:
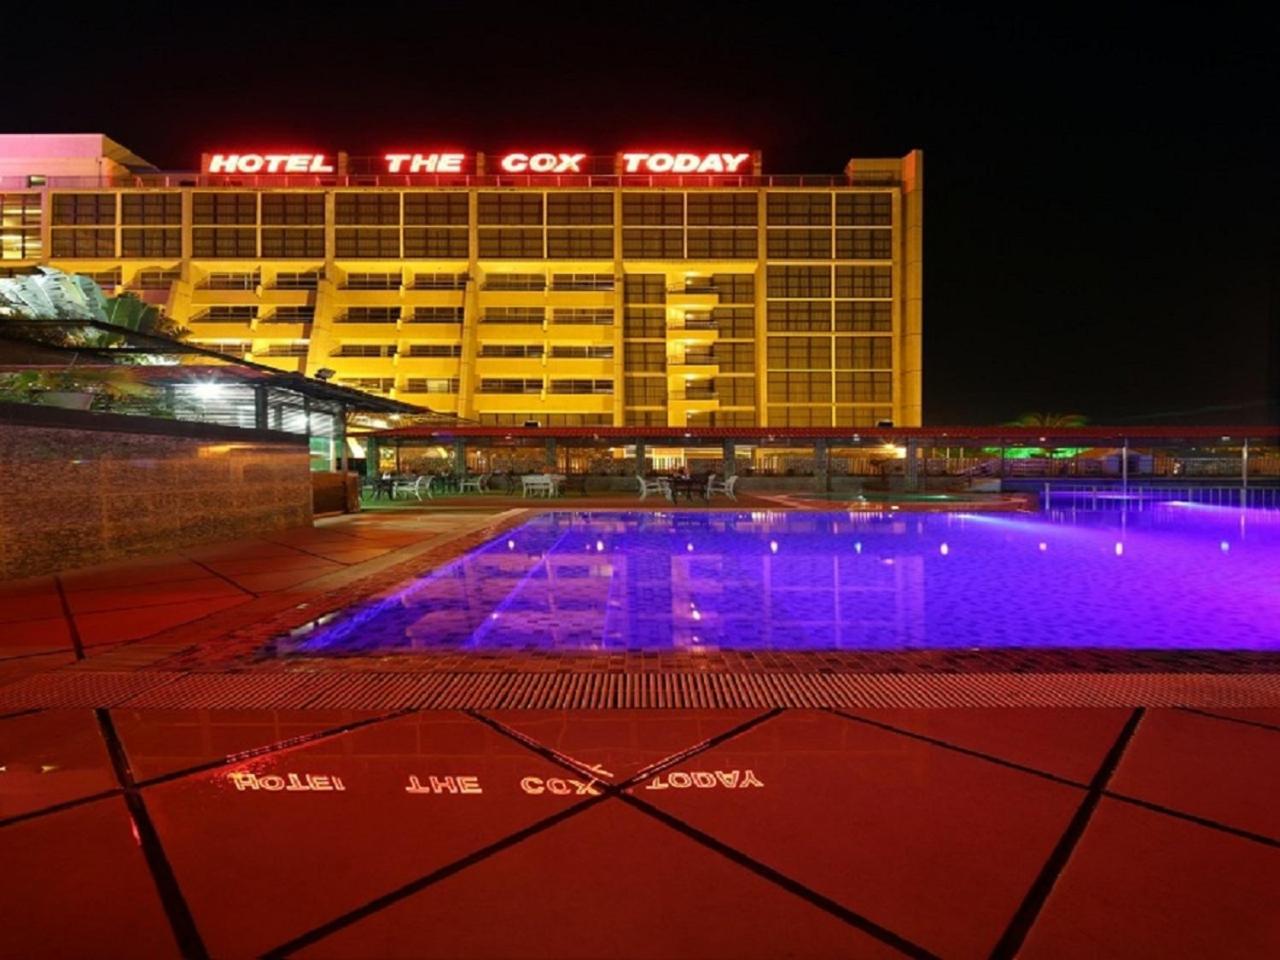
[653, 289]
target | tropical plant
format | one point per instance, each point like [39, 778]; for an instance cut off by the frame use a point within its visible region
[1049, 420]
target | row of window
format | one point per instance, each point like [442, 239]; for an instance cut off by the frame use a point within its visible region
[443, 208]
[817, 353]
[535, 385]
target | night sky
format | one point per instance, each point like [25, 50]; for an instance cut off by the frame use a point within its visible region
[1101, 189]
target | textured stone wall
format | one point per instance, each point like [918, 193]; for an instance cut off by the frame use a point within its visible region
[71, 497]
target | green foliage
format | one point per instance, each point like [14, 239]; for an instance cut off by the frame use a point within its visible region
[1049, 420]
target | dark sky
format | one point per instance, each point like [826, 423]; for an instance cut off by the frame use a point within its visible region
[1101, 187]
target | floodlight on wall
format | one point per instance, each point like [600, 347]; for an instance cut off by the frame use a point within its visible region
[324, 373]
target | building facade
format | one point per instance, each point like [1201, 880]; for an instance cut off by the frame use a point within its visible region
[598, 291]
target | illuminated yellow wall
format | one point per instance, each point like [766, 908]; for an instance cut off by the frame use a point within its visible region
[786, 304]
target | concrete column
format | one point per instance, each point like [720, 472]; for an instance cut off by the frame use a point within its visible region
[820, 478]
[912, 466]
[640, 455]
[459, 458]
[551, 452]
[371, 464]
[728, 464]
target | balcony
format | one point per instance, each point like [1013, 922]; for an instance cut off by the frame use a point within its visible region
[693, 297]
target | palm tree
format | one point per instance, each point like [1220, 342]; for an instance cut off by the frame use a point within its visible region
[1049, 420]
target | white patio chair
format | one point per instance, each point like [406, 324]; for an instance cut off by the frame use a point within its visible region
[721, 486]
[658, 486]
[478, 484]
[537, 484]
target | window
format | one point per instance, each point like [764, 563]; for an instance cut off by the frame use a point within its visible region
[224, 242]
[602, 317]
[108, 280]
[547, 419]
[864, 353]
[582, 353]
[231, 348]
[151, 208]
[735, 287]
[799, 244]
[370, 315]
[799, 353]
[799, 281]
[523, 244]
[290, 243]
[510, 349]
[439, 281]
[862, 416]
[434, 350]
[304, 280]
[737, 391]
[155, 279]
[509, 385]
[799, 209]
[738, 322]
[372, 281]
[435, 243]
[799, 387]
[230, 281]
[227, 314]
[650, 322]
[515, 281]
[375, 384]
[436, 208]
[722, 209]
[641, 244]
[431, 385]
[514, 315]
[645, 288]
[293, 209]
[367, 242]
[864, 244]
[224, 208]
[151, 242]
[365, 350]
[864, 387]
[509, 208]
[864, 282]
[722, 244]
[81, 242]
[82, 209]
[582, 281]
[645, 418]
[653, 209]
[864, 209]
[367, 208]
[571, 208]
[812, 315]
[864, 316]
[645, 357]
[436, 315]
[800, 416]
[287, 349]
[20, 226]
[586, 244]
[736, 357]
[646, 391]
[291, 315]
[581, 386]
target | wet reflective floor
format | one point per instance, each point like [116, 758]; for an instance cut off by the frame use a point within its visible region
[654, 833]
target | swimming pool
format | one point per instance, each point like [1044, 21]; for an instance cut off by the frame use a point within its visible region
[1174, 576]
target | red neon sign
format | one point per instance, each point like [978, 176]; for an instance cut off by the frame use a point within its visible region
[267, 163]
[542, 162]
[683, 162]
[424, 162]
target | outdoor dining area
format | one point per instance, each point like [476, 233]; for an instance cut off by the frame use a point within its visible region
[672, 486]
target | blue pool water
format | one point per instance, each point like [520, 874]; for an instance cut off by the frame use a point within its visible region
[1172, 576]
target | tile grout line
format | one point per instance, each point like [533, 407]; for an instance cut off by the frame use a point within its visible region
[59, 807]
[1217, 716]
[182, 924]
[956, 748]
[1024, 918]
[812, 897]
[76, 646]
[406, 890]
[278, 746]
[223, 577]
[1193, 818]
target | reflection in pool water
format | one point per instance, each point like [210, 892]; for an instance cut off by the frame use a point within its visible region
[1178, 576]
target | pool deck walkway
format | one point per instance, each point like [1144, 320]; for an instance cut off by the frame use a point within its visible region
[164, 793]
